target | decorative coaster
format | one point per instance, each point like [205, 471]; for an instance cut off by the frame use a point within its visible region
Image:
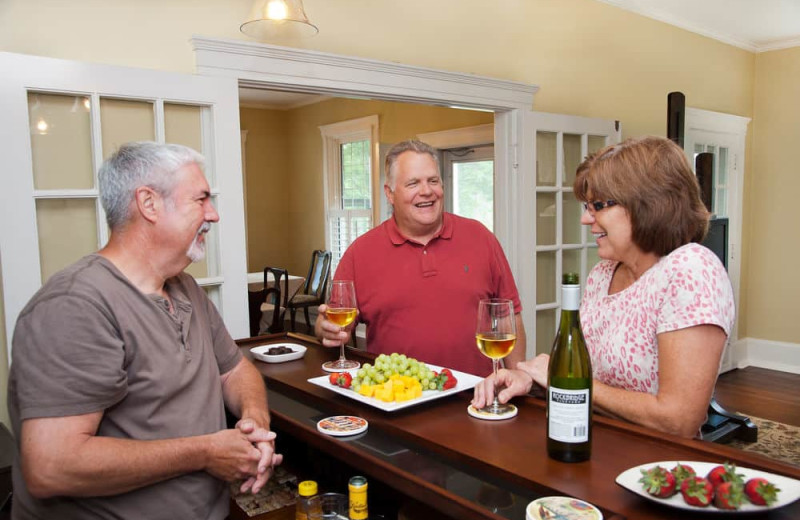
[567, 508]
[479, 414]
[340, 425]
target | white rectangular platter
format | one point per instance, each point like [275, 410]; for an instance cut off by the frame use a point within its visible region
[464, 382]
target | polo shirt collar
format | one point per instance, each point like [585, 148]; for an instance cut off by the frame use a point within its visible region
[397, 238]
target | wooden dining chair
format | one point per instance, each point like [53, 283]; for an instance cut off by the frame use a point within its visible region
[274, 300]
[314, 287]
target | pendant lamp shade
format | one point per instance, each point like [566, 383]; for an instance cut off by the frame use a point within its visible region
[278, 19]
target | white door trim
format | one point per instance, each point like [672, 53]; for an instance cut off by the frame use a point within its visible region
[731, 131]
[260, 65]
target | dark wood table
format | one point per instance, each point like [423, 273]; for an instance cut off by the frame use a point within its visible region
[474, 469]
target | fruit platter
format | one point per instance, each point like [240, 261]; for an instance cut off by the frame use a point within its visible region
[713, 487]
[395, 381]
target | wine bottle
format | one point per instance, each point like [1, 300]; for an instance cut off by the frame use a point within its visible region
[569, 383]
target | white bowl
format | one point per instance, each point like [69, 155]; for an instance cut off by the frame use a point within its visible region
[260, 352]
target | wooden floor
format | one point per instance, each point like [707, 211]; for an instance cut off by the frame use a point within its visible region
[768, 394]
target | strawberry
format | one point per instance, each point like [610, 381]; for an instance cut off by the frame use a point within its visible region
[682, 472]
[724, 473]
[728, 495]
[445, 379]
[761, 492]
[658, 482]
[697, 491]
[342, 379]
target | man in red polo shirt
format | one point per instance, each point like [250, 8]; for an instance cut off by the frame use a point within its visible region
[420, 274]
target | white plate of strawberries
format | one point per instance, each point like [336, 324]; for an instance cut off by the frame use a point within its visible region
[708, 486]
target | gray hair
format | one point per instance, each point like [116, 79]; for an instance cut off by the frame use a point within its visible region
[139, 164]
[411, 145]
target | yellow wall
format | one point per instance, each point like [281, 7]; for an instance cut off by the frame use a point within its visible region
[293, 183]
[268, 181]
[772, 188]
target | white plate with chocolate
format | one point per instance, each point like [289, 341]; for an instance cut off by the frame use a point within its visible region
[278, 352]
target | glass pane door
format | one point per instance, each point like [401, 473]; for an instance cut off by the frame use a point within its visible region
[61, 119]
[69, 217]
[719, 176]
[561, 243]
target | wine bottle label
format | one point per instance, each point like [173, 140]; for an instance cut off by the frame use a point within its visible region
[568, 414]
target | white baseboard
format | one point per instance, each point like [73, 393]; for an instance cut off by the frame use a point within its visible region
[762, 353]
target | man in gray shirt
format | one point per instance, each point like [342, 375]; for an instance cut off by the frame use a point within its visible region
[123, 367]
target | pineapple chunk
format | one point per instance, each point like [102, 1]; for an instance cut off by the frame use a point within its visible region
[384, 394]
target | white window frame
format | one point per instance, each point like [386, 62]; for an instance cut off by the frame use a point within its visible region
[465, 137]
[333, 137]
[450, 158]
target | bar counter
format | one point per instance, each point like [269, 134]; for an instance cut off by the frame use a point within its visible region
[476, 469]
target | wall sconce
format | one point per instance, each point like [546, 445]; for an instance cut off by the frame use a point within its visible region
[278, 19]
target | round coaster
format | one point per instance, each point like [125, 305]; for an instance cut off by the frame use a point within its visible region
[567, 508]
[329, 369]
[340, 425]
[478, 414]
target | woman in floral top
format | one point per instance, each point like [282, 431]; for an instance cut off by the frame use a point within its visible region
[658, 308]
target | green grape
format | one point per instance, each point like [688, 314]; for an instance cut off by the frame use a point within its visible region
[361, 373]
[432, 385]
[366, 366]
[380, 378]
[355, 386]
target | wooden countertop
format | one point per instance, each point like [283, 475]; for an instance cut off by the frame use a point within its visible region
[510, 453]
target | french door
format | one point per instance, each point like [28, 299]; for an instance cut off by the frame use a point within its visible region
[61, 119]
[556, 240]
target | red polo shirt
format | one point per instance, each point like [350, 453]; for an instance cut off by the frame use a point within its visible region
[422, 301]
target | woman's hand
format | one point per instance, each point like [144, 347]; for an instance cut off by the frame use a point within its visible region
[536, 369]
[513, 382]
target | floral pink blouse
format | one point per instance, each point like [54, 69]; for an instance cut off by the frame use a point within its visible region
[688, 287]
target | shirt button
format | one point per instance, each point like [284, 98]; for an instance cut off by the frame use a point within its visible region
[424, 251]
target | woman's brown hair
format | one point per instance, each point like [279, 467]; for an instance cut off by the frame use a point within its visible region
[651, 178]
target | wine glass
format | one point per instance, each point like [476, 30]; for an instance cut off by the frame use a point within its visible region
[496, 335]
[342, 310]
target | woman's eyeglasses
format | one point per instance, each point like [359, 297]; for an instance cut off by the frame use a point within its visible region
[597, 205]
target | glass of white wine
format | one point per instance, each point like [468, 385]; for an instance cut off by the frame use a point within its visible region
[496, 336]
[342, 310]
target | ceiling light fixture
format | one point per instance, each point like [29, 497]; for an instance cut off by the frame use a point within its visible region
[278, 19]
